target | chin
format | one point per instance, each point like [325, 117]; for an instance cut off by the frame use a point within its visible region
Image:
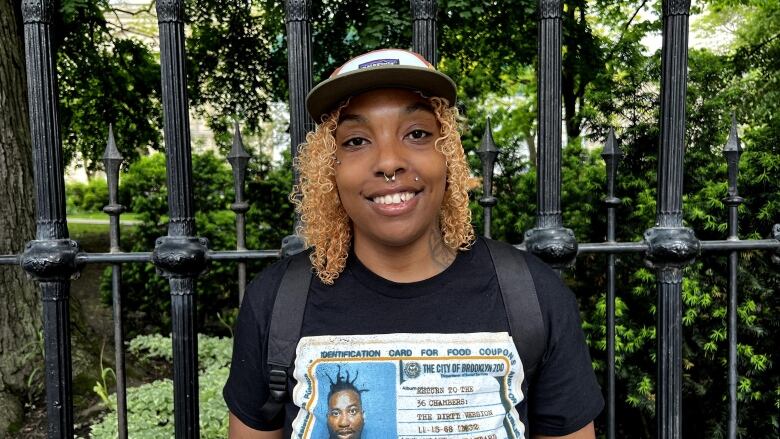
[406, 238]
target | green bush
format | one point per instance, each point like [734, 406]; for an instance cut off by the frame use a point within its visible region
[86, 197]
[143, 189]
[150, 406]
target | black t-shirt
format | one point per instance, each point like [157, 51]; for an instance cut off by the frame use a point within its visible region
[427, 359]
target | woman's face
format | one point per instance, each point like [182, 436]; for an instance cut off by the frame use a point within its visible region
[391, 180]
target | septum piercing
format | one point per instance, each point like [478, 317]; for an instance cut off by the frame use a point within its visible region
[389, 179]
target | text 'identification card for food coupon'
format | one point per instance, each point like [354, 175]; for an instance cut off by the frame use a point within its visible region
[408, 386]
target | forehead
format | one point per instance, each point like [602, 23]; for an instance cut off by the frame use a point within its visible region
[346, 397]
[384, 98]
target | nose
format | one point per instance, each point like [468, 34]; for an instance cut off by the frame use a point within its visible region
[390, 158]
[343, 420]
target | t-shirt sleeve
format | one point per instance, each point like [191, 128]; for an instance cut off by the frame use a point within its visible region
[246, 389]
[565, 395]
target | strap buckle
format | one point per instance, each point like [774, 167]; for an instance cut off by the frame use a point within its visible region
[277, 382]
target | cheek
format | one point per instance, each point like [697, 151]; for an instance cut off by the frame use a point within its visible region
[346, 193]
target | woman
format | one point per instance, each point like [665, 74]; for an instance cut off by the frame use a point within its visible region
[404, 295]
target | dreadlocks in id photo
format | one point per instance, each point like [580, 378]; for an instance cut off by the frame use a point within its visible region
[397, 321]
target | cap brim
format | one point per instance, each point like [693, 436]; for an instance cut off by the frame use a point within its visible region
[326, 95]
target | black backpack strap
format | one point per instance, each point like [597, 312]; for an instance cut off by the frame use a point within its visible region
[285, 330]
[521, 303]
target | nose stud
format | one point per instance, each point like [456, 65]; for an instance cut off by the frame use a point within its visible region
[389, 179]
[416, 178]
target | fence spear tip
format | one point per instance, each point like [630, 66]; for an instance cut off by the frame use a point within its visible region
[733, 144]
[237, 150]
[610, 148]
[488, 145]
[111, 152]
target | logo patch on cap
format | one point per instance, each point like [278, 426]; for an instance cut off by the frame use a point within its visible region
[379, 62]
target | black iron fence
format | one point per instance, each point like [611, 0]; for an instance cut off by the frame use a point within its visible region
[52, 258]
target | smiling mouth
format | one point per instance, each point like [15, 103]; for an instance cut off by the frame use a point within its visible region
[396, 198]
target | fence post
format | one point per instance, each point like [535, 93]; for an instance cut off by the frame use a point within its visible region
[239, 159]
[611, 156]
[299, 61]
[112, 159]
[424, 29]
[51, 257]
[732, 151]
[671, 246]
[549, 240]
[179, 256]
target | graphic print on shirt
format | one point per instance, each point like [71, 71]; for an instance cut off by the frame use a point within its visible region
[408, 386]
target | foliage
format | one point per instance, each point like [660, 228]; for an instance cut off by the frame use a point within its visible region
[86, 197]
[625, 96]
[237, 62]
[150, 406]
[143, 190]
[103, 79]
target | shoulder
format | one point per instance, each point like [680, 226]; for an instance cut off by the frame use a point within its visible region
[552, 293]
[261, 291]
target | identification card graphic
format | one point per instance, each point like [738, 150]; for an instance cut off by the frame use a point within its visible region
[408, 386]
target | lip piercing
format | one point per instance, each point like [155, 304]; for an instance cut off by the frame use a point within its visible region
[389, 179]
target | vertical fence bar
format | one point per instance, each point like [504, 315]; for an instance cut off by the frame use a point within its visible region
[670, 246]
[180, 256]
[51, 257]
[299, 63]
[611, 157]
[112, 159]
[732, 151]
[424, 39]
[487, 153]
[549, 239]
[239, 158]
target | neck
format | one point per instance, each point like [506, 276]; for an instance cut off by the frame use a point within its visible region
[414, 262]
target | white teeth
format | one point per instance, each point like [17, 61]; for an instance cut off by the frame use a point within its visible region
[394, 198]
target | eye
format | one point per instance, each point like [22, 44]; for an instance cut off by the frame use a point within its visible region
[334, 413]
[355, 141]
[418, 134]
[353, 411]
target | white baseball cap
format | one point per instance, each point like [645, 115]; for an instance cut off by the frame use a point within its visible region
[384, 68]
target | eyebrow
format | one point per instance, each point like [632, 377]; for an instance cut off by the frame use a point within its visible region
[418, 106]
[352, 118]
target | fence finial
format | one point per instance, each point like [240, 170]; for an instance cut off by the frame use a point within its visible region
[488, 152]
[239, 159]
[733, 150]
[611, 156]
[112, 159]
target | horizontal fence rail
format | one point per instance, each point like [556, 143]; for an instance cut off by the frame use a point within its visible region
[52, 258]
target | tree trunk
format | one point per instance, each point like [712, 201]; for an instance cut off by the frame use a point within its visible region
[529, 139]
[20, 315]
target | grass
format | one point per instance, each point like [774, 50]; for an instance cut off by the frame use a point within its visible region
[78, 230]
[94, 237]
[129, 216]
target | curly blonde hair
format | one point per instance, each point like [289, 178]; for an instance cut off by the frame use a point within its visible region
[324, 223]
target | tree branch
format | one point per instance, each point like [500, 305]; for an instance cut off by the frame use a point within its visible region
[147, 10]
[625, 29]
